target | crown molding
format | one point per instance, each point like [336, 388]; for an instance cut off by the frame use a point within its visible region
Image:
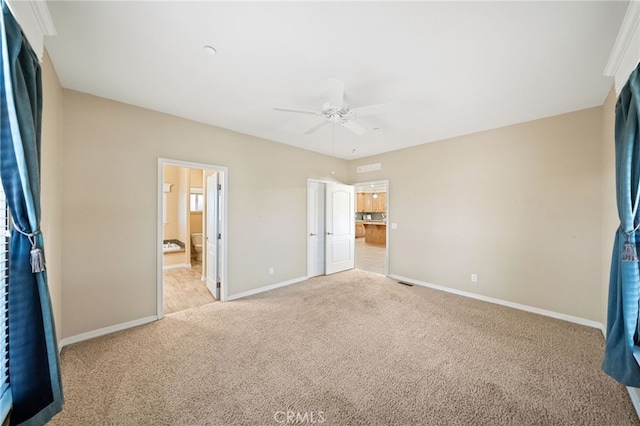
[41, 10]
[35, 20]
[625, 55]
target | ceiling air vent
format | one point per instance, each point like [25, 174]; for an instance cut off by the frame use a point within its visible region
[369, 167]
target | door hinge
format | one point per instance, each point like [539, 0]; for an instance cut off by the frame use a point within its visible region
[219, 187]
[218, 284]
[219, 236]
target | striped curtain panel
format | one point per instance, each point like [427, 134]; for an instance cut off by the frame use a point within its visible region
[624, 284]
[34, 368]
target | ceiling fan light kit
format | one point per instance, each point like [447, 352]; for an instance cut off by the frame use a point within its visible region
[336, 111]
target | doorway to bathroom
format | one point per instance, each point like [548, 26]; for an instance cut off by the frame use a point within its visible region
[191, 235]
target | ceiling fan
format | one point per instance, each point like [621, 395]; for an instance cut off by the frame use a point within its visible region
[336, 111]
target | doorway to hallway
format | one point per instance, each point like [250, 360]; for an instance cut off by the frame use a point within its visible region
[372, 210]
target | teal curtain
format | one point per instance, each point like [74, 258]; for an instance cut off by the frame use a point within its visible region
[624, 283]
[34, 368]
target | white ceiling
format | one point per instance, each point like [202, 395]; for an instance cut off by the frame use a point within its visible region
[455, 67]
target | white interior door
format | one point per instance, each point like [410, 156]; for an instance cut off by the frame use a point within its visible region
[211, 236]
[340, 228]
[316, 229]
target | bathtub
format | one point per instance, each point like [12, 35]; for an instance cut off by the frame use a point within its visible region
[171, 248]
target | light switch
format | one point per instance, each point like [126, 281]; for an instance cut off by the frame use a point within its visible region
[394, 225]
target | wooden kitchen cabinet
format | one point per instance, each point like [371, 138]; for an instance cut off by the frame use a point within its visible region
[360, 202]
[379, 204]
[367, 202]
[375, 233]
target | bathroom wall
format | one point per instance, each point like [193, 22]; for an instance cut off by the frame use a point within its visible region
[195, 175]
[171, 176]
[197, 181]
[184, 228]
[175, 260]
[177, 226]
[196, 222]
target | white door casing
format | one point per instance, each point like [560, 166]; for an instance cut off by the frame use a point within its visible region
[316, 229]
[211, 236]
[340, 228]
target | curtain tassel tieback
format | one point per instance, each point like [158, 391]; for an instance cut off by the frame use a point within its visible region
[36, 254]
[629, 253]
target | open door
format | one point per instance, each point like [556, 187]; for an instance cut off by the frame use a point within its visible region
[213, 283]
[340, 228]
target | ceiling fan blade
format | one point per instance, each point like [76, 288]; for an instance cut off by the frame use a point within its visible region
[336, 93]
[375, 109]
[300, 111]
[354, 127]
[316, 127]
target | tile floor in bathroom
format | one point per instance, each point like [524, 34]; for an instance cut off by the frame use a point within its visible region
[184, 288]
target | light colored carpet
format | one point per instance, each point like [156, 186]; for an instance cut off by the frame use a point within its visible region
[353, 348]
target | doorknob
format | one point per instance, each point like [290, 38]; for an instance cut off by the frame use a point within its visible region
[329, 233]
[312, 234]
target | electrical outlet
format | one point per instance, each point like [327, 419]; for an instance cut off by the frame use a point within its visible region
[474, 278]
[271, 270]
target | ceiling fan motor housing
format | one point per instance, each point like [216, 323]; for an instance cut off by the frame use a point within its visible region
[337, 111]
[333, 113]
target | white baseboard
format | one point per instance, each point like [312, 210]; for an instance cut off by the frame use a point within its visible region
[118, 327]
[634, 394]
[177, 265]
[102, 331]
[266, 288]
[570, 318]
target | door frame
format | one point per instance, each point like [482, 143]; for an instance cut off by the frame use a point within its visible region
[388, 245]
[223, 246]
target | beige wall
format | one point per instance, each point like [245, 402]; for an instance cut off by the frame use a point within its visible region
[178, 258]
[197, 181]
[610, 220]
[184, 219]
[171, 176]
[51, 181]
[525, 207]
[111, 152]
[196, 178]
[520, 206]
[196, 222]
